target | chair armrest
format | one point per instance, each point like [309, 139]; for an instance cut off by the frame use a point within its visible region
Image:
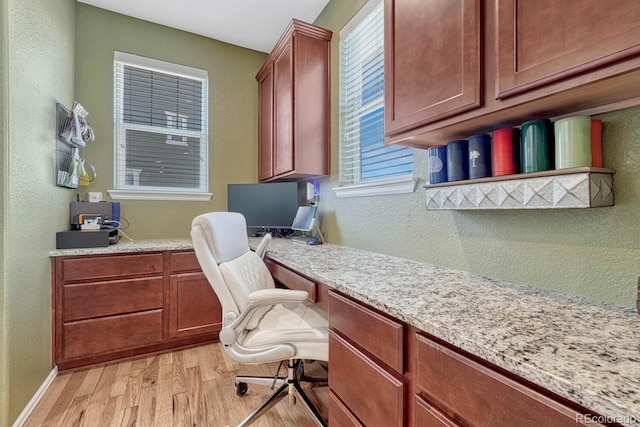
[258, 300]
[261, 250]
[276, 296]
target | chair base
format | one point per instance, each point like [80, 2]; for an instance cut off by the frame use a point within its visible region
[287, 386]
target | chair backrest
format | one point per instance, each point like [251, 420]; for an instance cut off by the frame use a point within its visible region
[233, 270]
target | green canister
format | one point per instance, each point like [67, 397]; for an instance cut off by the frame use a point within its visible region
[536, 146]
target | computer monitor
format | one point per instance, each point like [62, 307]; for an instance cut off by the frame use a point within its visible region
[305, 218]
[266, 205]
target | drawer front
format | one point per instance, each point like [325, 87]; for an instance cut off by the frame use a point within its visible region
[96, 299]
[110, 334]
[481, 396]
[107, 267]
[339, 415]
[374, 395]
[292, 280]
[183, 261]
[426, 415]
[378, 334]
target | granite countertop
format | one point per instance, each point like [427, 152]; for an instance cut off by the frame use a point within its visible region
[586, 351]
[125, 247]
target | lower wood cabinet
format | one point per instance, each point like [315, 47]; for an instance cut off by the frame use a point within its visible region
[378, 334]
[110, 334]
[284, 277]
[366, 354]
[370, 391]
[107, 307]
[383, 372]
[425, 414]
[195, 309]
[339, 414]
[453, 389]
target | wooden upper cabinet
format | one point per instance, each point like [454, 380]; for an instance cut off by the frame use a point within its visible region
[283, 110]
[545, 41]
[265, 123]
[432, 61]
[294, 111]
[455, 68]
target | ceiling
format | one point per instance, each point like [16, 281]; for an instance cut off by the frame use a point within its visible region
[254, 24]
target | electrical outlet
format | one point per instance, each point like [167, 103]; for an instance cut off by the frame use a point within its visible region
[95, 196]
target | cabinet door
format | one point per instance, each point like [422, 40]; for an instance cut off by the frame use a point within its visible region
[283, 111]
[544, 41]
[432, 61]
[265, 123]
[194, 307]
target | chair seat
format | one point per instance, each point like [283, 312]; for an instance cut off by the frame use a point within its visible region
[303, 326]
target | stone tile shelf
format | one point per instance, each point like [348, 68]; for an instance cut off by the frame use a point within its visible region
[555, 189]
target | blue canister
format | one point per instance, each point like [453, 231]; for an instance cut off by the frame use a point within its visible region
[457, 160]
[437, 164]
[479, 156]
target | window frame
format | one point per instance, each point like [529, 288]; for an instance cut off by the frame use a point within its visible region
[124, 191]
[403, 183]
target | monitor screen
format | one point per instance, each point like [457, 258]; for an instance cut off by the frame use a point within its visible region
[304, 218]
[269, 205]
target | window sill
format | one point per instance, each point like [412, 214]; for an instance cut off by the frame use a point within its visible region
[402, 185]
[158, 195]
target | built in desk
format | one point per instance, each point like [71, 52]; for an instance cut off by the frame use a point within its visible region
[416, 330]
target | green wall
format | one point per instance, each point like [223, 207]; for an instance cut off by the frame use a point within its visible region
[39, 37]
[233, 107]
[4, 354]
[590, 252]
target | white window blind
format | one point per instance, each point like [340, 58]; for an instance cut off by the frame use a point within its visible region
[363, 155]
[161, 131]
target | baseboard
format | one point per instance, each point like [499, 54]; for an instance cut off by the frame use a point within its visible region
[36, 398]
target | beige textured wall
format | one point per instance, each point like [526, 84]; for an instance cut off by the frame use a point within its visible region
[40, 41]
[233, 107]
[4, 354]
[591, 252]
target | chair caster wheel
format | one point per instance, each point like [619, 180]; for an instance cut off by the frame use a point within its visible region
[241, 389]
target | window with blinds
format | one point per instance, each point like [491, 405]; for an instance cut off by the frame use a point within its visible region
[363, 155]
[160, 127]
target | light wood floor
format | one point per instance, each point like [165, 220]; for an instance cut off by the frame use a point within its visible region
[191, 387]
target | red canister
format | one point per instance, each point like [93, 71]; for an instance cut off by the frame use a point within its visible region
[596, 143]
[505, 151]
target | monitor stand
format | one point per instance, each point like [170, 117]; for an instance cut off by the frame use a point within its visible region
[275, 232]
[307, 239]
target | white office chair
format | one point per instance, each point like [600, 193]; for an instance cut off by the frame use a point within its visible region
[260, 324]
